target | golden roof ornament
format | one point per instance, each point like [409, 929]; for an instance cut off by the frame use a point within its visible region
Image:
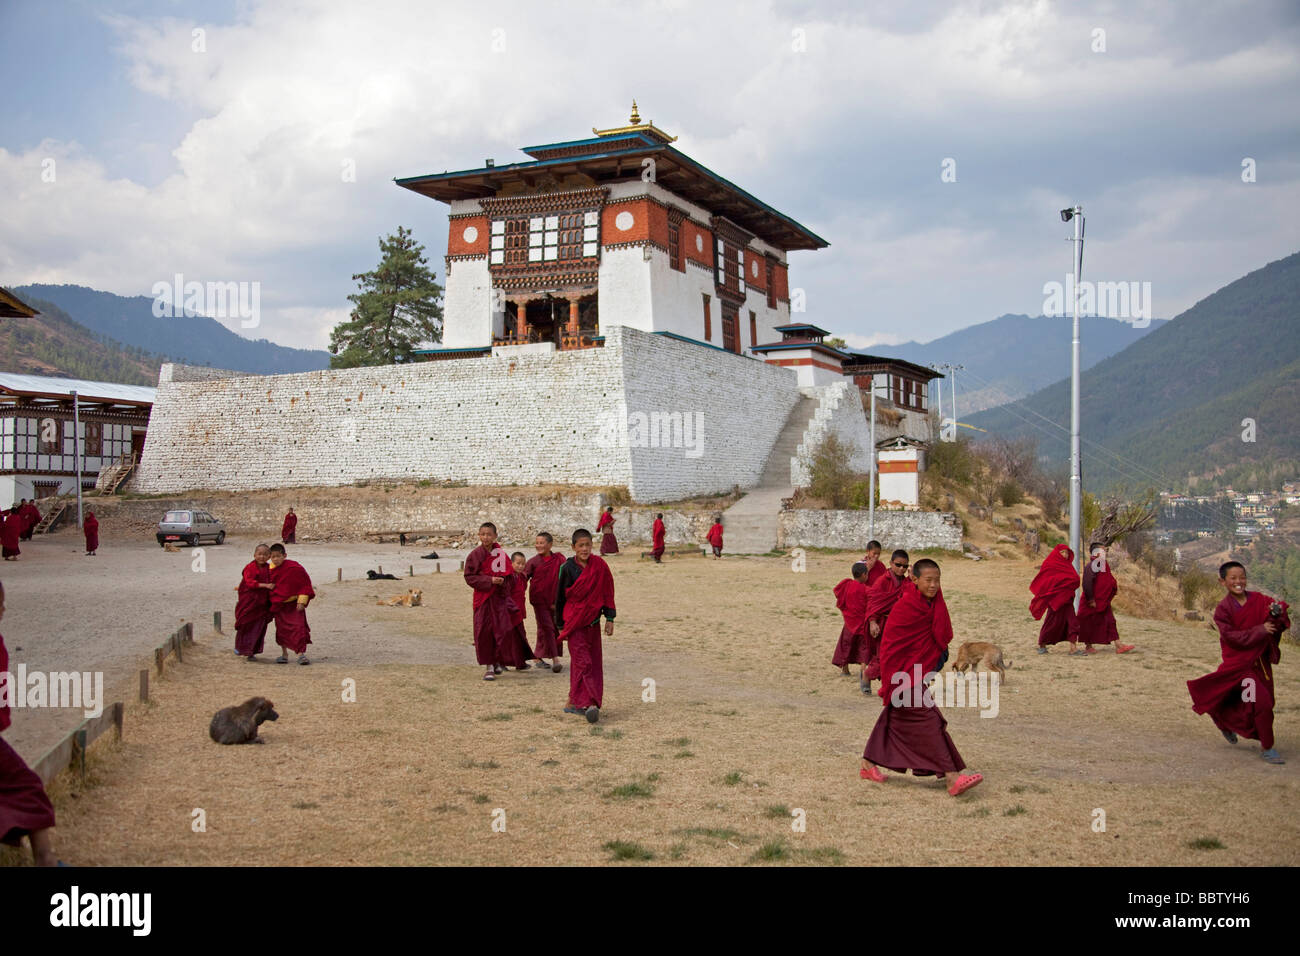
[636, 126]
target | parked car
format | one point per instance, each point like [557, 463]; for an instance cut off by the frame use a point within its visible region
[191, 527]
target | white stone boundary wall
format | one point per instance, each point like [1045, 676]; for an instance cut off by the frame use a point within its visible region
[851, 530]
[839, 412]
[566, 418]
[175, 372]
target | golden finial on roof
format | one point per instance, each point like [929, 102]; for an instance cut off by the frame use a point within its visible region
[636, 126]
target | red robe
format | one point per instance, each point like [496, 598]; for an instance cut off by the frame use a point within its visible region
[291, 629]
[1249, 653]
[24, 806]
[851, 599]
[492, 629]
[657, 535]
[878, 570]
[880, 601]
[1053, 589]
[911, 733]
[608, 543]
[90, 527]
[543, 574]
[1097, 624]
[10, 531]
[583, 602]
[31, 516]
[518, 652]
[287, 529]
[253, 610]
[714, 537]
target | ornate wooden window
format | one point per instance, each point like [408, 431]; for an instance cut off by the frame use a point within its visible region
[708, 320]
[771, 284]
[94, 439]
[730, 328]
[753, 329]
[675, 247]
[515, 240]
[54, 447]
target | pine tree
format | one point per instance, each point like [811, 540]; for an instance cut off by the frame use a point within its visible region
[397, 309]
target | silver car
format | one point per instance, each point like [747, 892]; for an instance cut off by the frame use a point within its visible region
[191, 527]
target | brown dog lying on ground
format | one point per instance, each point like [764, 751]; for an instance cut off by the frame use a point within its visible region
[410, 599]
[238, 725]
[973, 653]
[170, 547]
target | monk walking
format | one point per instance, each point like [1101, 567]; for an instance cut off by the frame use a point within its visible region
[487, 571]
[31, 518]
[291, 592]
[253, 610]
[875, 570]
[543, 574]
[1096, 619]
[851, 599]
[714, 537]
[657, 535]
[25, 809]
[911, 733]
[584, 594]
[517, 653]
[90, 527]
[10, 532]
[881, 598]
[1239, 696]
[608, 543]
[1053, 588]
[288, 528]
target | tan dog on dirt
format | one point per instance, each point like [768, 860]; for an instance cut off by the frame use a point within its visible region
[973, 653]
[410, 599]
[170, 547]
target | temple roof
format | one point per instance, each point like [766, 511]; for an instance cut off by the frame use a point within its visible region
[858, 363]
[616, 155]
[42, 386]
[13, 307]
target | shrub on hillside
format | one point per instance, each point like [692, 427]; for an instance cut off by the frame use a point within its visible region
[831, 477]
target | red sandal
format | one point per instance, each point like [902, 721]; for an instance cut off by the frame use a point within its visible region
[872, 773]
[965, 782]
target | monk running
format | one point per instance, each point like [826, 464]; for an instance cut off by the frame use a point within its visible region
[911, 734]
[1239, 695]
[291, 592]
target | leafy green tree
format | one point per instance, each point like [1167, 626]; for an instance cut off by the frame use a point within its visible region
[396, 311]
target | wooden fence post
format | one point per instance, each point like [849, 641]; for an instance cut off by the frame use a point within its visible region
[410, 571]
[144, 686]
[340, 574]
[159, 655]
[189, 632]
[79, 753]
[119, 716]
[216, 621]
[176, 644]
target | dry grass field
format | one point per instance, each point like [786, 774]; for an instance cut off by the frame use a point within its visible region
[749, 723]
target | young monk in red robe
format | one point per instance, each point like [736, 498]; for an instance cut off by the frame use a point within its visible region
[881, 598]
[90, 526]
[253, 610]
[875, 569]
[543, 574]
[288, 528]
[584, 594]
[291, 592]
[1053, 588]
[487, 571]
[1239, 696]
[1096, 619]
[911, 734]
[25, 810]
[851, 599]
[608, 543]
[517, 652]
[31, 516]
[657, 535]
[10, 531]
[714, 537]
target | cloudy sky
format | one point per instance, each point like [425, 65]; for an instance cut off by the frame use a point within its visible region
[220, 154]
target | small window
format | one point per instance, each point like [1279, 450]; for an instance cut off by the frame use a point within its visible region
[94, 439]
[708, 320]
[753, 329]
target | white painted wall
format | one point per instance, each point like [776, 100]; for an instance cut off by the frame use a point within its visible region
[839, 411]
[467, 320]
[903, 487]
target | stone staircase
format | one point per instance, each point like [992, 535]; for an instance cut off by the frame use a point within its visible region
[750, 525]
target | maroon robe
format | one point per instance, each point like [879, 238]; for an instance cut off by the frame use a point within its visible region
[291, 630]
[492, 630]
[583, 602]
[31, 516]
[543, 576]
[1249, 653]
[911, 733]
[876, 572]
[10, 531]
[253, 610]
[714, 537]
[287, 529]
[1053, 588]
[851, 599]
[517, 653]
[90, 527]
[657, 535]
[608, 543]
[1097, 624]
[24, 806]
[881, 598]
